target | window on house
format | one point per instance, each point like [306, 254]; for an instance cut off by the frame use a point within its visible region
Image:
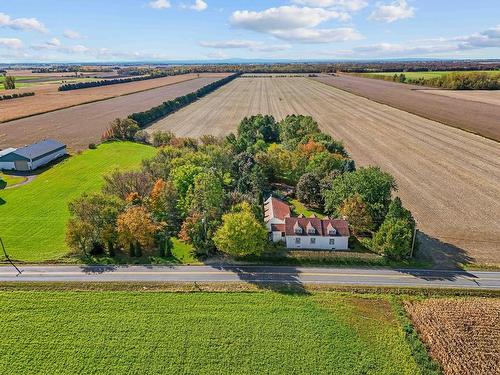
[332, 241]
[298, 230]
[297, 240]
[332, 232]
[313, 241]
[311, 231]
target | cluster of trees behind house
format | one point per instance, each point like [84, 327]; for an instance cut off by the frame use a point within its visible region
[452, 81]
[209, 193]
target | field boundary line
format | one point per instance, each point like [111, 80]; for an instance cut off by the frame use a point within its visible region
[410, 112]
[95, 101]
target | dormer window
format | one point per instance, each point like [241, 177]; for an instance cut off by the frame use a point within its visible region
[310, 229]
[331, 230]
[297, 229]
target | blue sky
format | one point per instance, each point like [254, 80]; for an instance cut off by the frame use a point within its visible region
[135, 30]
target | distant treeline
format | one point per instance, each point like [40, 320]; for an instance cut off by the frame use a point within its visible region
[72, 69]
[348, 67]
[452, 81]
[108, 82]
[15, 96]
[147, 117]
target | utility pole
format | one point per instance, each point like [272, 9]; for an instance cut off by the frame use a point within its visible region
[9, 260]
[414, 239]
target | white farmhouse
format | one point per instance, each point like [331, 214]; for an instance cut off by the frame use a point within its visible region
[304, 233]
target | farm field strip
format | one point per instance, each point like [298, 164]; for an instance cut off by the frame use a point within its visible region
[449, 178]
[83, 124]
[48, 98]
[200, 333]
[481, 96]
[474, 116]
[462, 334]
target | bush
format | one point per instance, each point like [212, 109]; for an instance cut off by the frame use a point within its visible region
[393, 239]
[17, 95]
[92, 146]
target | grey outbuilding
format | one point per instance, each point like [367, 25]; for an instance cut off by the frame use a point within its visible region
[31, 157]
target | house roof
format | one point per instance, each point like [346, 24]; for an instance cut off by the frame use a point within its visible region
[274, 208]
[320, 226]
[277, 227]
[40, 149]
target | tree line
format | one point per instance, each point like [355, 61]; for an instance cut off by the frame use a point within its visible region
[15, 96]
[209, 192]
[108, 82]
[452, 81]
[168, 107]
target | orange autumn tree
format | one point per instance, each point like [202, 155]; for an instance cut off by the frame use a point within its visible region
[137, 230]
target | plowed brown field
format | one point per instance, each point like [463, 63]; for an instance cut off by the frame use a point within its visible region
[463, 335]
[479, 117]
[78, 126]
[449, 178]
[47, 98]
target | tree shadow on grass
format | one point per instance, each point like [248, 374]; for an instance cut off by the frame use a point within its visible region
[285, 280]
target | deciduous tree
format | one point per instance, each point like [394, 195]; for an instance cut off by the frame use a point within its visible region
[356, 211]
[241, 233]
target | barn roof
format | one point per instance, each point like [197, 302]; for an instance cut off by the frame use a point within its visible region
[40, 149]
[7, 151]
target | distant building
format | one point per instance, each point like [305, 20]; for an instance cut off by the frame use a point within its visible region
[31, 157]
[304, 233]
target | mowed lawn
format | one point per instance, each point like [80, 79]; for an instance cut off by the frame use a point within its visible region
[33, 217]
[199, 333]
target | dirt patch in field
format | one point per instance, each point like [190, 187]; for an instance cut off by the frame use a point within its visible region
[477, 117]
[463, 335]
[80, 125]
[449, 179]
[47, 98]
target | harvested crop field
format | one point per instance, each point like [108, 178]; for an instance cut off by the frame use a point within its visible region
[78, 126]
[449, 178]
[481, 96]
[47, 98]
[476, 117]
[463, 335]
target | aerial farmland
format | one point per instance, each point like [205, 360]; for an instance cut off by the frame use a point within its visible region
[439, 169]
[250, 187]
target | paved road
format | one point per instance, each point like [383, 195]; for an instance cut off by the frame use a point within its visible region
[257, 274]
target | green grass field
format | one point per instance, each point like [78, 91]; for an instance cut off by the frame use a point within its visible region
[427, 75]
[20, 81]
[200, 333]
[33, 217]
[8, 180]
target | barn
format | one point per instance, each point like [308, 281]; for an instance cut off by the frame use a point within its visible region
[31, 157]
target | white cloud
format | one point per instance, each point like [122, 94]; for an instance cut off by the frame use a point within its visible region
[397, 10]
[304, 35]
[245, 44]
[54, 42]
[12, 43]
[22, 23]
[489, 38]
[292, 23]
[199, 5]
[484, 39]
[160, 4]
[71, 34]
[283, 18]
[349, 5]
